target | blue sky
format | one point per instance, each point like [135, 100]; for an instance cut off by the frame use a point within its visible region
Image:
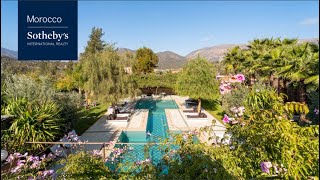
[182, 26]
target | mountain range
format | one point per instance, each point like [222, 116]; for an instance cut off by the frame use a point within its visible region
[9, 53]
[171, 60]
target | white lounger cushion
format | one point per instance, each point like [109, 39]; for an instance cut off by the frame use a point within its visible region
[123, 115]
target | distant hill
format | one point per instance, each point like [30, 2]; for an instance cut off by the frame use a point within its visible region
[9, 53]
[170, 60]
[124, 50]
[216, 53]
[167, 59]
[312, 40]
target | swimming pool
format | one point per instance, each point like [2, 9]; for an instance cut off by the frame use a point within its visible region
[156, 125]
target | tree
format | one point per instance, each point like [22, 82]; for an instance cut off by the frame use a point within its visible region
[95, 43]
[145, 61]
[197, 80]
[299, 68]
[113, 83]
[88, 64]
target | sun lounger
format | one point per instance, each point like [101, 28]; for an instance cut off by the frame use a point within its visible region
[122, 118]
[189, 111]
[123, 115]
[202, 115]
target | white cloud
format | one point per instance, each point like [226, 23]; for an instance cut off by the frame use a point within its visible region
[310, 21]
[207, 38]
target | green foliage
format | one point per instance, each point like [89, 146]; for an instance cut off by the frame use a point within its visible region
[108, 82]
[103, 76]
[95, 43]
[117, 84]
[87, 117]
[197, 80]
[262, 97]
[313, 99]
[296, 108]
[21, 86]
[274, 138]
[274, 61]
[33, 122]
[234, 98]
[145, 61]
[82, 165]
[167, 80]
[42, 91]
[198, 161]
[31, 101]
[70, 103]
[268, 137]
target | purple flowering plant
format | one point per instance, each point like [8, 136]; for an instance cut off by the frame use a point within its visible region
[27, 166]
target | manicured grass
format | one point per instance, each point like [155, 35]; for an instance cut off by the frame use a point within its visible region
[87, 117]
[214, 108]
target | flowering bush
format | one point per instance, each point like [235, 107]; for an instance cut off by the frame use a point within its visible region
[84, 165]
[265, 166]
[225, 119]
[28, 166]
[240, 77]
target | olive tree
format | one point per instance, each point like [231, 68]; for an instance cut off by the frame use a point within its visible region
[197, 80]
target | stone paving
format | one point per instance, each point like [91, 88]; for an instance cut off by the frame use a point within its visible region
[138, 121]
[101, 131]
[217, 128]
[176, 121]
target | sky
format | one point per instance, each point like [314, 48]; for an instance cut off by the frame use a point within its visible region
[181, 26]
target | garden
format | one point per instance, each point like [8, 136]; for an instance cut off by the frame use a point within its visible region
[267, 98]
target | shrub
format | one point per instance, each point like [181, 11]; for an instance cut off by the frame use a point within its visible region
[33, 122]
[83, 165]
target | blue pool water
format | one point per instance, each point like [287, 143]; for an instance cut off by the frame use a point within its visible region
[156, 125]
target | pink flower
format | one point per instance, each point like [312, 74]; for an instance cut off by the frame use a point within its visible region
[96, 152]
[20, 162]
[185, 137]
[10, 158]
[194, 132]
[240, 77]
[43, 156]
[33, 158]
[16, 169]
[17, 154]
[225, 119]
[47, 173]
[265, 166]
[138, 162]
[316, 111]
[51, 156]
[35, 164]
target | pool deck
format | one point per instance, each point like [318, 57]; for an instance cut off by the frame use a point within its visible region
[138, 120]
[176, 121]
[101, 131]
[104, 130]
[218, 129]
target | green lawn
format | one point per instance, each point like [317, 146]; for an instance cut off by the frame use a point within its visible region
[87, 117]
[214, 108]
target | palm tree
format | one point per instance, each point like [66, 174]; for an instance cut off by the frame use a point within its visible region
[297, 68]
[232, 60]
